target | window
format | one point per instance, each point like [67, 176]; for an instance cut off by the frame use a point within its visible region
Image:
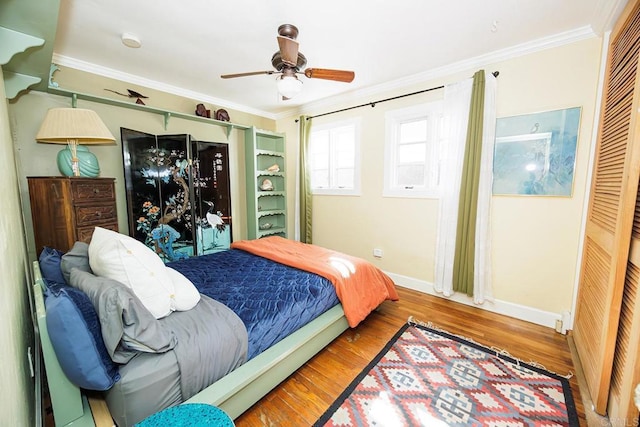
[412, 151]
[334, 153]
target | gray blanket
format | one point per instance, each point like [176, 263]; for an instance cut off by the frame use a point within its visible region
[211, 342]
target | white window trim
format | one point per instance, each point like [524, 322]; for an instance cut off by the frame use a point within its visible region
[392, 119]
[356, 190]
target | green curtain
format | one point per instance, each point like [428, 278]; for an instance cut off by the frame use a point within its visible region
[305, 181]
[468, 206]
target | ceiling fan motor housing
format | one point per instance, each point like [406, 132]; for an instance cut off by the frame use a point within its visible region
[279, 64]
[288, 30]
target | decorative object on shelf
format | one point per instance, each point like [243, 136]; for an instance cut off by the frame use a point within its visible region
[266, 226]
[72, 127]
[222, 115]
[131, 94]
[202, 111]
[267, 185]
[274, 168]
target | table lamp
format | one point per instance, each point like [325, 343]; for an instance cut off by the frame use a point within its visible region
[75, 127]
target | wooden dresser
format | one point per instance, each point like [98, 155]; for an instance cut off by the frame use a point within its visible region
[66, 209]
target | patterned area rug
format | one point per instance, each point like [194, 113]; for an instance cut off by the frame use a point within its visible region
[426, 377]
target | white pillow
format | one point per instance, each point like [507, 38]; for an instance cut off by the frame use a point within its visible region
[186, 296]
[130, 262]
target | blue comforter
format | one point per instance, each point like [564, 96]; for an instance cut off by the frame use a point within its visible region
[273, 300]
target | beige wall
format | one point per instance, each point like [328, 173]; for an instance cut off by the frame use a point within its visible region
[535, 239]
[36, 159]
[16, 335]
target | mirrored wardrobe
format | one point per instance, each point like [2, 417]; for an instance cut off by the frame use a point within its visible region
[178, 197]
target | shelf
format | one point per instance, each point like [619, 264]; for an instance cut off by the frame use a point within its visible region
[269, 153]
[264, 150]
[14, 42]
[270, 193]
[262, 214]
[131, 105]
[271, 232]
[267, 173]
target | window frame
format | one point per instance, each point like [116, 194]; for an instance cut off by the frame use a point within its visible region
[393, 120]
[336, 191]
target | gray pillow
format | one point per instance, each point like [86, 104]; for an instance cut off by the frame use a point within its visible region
[127, 326]
[77, 257]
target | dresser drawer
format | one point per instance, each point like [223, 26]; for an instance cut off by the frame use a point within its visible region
[85, 233]
[91, 189]
[95, 214]
[67, 209]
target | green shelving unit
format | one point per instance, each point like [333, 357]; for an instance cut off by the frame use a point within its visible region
[265, 160]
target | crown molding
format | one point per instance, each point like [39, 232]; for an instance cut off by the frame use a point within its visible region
[606, 15]
[152, 84]
[537, 45]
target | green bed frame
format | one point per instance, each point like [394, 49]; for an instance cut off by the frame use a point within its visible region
[234, 393]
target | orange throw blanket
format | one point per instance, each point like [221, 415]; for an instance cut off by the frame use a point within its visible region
[360, 286]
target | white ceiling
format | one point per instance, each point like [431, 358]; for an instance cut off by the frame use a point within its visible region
[187, 45]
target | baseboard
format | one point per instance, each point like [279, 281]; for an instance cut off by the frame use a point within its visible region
[529, 314]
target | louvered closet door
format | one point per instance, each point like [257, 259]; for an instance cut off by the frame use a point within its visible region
[611, 210]
[626, 363]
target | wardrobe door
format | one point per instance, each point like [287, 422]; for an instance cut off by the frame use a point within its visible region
[611, 211]
[212, 195]
[140, 177]
[626, 363]
[159, 196]
[174, 233]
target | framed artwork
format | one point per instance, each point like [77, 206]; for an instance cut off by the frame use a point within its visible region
[535, 154]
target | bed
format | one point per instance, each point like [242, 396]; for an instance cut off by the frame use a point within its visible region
[275, 346]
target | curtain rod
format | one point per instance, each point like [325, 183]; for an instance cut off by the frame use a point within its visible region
[373, 104]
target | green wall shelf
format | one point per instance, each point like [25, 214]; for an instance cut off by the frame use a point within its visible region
[124, 104]
[266, 210]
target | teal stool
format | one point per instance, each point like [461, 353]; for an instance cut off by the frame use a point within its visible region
[188, 415]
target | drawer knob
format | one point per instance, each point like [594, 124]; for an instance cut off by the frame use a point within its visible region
[98, 214]
[96, 190]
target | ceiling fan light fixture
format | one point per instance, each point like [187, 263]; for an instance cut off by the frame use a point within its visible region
[289, 86]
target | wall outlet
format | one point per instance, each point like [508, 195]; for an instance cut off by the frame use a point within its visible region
[559, 326]
[377, 253]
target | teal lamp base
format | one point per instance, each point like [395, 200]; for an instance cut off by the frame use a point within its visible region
[87, 162]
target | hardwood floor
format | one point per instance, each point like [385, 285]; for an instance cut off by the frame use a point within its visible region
[303, 397]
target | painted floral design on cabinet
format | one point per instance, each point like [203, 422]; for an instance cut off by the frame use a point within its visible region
[177, 193]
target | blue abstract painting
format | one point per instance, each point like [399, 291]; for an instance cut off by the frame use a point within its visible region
[535, 154]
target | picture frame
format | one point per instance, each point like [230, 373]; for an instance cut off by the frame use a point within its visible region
[535, 154]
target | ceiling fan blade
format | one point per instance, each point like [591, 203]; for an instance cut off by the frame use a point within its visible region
[335, 75]
[252, 73]
[288, 50]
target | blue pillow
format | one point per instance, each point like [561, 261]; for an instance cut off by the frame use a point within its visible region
[50, 260]
[74, 330]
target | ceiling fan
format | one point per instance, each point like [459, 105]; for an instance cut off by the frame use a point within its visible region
[288, 62]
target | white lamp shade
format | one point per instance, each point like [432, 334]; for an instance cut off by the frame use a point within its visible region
[72, 127]
[289, 86]
[61, 125]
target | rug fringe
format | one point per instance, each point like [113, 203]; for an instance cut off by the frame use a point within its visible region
[498, 351]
